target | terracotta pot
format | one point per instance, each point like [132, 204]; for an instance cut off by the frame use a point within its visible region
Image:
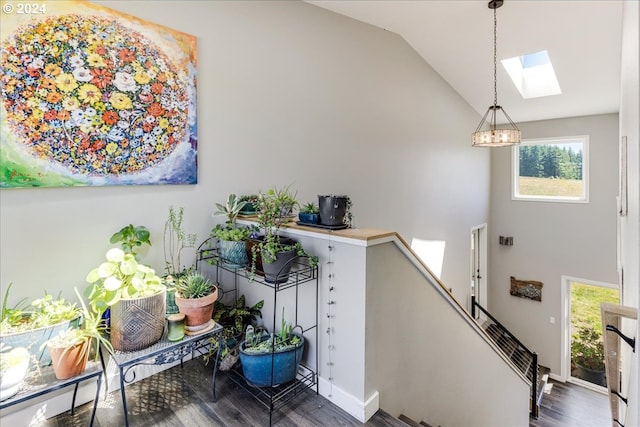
[69, 361]
[197, 311]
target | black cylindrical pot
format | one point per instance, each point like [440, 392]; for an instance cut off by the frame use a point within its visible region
[332, 209]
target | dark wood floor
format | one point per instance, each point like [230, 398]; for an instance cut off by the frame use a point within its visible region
[181, 397]
[571, 405]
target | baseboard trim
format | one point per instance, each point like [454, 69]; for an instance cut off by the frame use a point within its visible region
[361, 410]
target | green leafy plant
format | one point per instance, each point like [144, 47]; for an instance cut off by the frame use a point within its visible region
[232, 234]
[131, 238]
[234, 319]
[310, 208]
[175, 240]
[92, 329]
[250, 203]
[42, 312]
[587, 348]
[194, 285]
[121, 276]
[230, 209]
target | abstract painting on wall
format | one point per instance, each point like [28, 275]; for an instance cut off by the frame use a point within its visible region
[92, 96]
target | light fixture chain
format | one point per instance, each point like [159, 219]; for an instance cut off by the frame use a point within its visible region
[495, 57]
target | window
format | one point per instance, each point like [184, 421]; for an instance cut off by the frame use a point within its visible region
[533, 75]
[552, 170]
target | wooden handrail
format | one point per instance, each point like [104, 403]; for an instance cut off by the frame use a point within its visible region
[612, 315]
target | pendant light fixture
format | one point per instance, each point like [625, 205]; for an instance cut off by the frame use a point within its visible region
[489, 133]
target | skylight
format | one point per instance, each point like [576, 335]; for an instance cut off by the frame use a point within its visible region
[533, 74]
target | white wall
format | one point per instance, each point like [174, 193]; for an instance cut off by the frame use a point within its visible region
[552, 239]
[630, 225]
[288, 93]
[419, 343]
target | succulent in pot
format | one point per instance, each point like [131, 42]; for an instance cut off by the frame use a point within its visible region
[196, 295]
[309, 213]
[271, 359]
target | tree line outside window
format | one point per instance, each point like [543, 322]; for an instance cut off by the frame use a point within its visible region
[551, 161]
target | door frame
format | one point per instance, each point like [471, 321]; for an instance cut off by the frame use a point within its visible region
[565, 347]
[482, 262]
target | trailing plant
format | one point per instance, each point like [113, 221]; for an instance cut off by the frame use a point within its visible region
[121, 276]
[255, 342]
[175, 240]
[587, 348]
[232, 234]
[42, 312]
[131, 238]
[194, 285]
[231, 209]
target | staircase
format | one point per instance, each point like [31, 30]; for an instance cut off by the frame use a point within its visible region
[408, 421]
[524, 359]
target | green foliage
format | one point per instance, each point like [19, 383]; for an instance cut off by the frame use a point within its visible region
[231, 209]
[175, 240]
[310, 208]
[587, 348]
[92, 330]
[194, 285]
[131, 238]
[232, 234]
[120, 277]
[258, 343]
[552, 160]
[237, 316]
[42, 312]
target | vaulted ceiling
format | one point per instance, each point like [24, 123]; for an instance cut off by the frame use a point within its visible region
[582, 37]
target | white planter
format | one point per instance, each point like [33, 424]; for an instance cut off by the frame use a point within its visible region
[12, 377]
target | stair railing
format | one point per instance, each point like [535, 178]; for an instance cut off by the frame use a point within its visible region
[612, 318]
[535, 410]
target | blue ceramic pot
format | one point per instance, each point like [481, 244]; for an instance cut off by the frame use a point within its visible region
[271, 369]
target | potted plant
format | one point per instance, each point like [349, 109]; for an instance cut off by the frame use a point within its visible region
[275, 251]
[70, 349]
[131, 238]
[250, 205]
[587, 353]
[271, 359]
[29, 326]
[334, 210]
[195, 297]
[135, 295]
[175, 240]
[231, 237]
[309, 213]
[234, 319]
[14, 366]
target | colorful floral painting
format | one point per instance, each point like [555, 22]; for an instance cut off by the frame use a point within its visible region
[91, 96]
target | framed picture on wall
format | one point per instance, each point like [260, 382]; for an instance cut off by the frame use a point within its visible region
[92, 97]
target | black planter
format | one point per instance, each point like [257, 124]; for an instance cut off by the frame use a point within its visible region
[332, 209]
[278, 270]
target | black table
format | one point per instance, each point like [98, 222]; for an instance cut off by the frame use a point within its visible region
[44, 381]
[161, 353]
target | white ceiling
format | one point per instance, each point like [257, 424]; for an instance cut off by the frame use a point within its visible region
[582, 37]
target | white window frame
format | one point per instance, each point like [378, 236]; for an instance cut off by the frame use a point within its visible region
[515, 169]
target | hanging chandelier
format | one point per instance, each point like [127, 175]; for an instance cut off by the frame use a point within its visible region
[489, 133]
